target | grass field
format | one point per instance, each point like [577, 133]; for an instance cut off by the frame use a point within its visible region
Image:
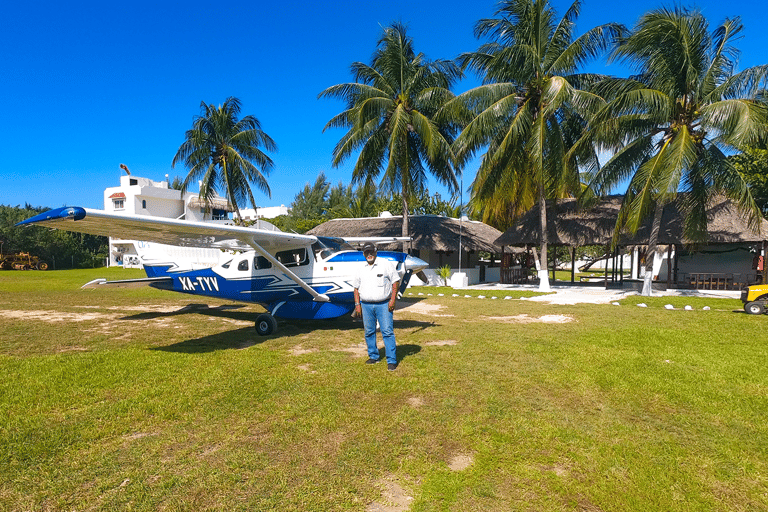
[137, 399]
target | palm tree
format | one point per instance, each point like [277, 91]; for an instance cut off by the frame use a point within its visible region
[392, 119]
[225, 152]
[529, 110]
[670, 125]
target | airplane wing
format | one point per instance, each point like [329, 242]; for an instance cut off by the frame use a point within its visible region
[167, 231]
[361, 240]
[178, 232]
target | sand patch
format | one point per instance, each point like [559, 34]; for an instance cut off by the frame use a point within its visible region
[54, 316]
[306, 368]
[415, 401]
[460, 462]
[525, 319]
[72, 349]
[356, 350]
[441, 343]
[298, 350]
[425, 308]
[394, 498]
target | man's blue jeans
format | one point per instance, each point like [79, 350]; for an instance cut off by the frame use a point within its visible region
[379, 311]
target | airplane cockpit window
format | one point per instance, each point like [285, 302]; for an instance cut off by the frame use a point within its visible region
[260, 263]
[325, 247]
[227, 264]
[243, 265]
[293, 258]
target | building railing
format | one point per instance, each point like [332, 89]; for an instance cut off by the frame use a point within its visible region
[716, 280]
[514, 276]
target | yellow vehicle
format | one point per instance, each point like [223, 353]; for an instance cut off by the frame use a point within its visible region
[755, 299]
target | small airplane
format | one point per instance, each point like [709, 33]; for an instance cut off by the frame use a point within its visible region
[292, 276]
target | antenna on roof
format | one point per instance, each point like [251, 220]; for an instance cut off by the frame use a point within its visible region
[125, 168]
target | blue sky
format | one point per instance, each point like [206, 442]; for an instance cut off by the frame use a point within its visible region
[86, 86]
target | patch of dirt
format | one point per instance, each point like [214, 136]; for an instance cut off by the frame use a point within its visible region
[359, 350]
[525, 319]
[138, 435]
[415, 401]
[394, 498]
[72, 349]
[441, 343]
[558, 470]
[54, 316]
[460, 462]
[424, 308]
[306, 368]
[298, 350]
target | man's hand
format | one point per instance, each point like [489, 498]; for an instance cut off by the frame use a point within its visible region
[392, 305]
[358, 312]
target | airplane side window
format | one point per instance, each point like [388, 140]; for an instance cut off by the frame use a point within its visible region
[294, 258]
[261, 263]
[227, 264]
[243, 265]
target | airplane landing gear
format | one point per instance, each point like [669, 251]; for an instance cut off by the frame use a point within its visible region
[265, 324]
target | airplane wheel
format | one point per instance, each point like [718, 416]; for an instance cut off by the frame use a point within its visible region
[265, 324]
[754, 308]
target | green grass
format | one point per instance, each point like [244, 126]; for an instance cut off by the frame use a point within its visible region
[127, 399]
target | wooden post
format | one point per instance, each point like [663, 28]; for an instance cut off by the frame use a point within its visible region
[573, 264]
[621, 267]
[669, 265]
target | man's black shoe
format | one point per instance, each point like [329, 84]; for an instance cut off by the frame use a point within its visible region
[391, 366]
[371, 361]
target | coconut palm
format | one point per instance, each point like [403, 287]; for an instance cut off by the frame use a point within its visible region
[671, 125]
[392, 119]
[530, 109]
[225, 153]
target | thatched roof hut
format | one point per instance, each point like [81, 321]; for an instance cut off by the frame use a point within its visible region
[575, 226]
[429, 232]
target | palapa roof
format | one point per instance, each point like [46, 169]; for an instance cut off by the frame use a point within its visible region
[218, 203]
[574, 226]
[427, 231]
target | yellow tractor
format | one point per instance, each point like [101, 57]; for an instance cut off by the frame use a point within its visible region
[755, 299]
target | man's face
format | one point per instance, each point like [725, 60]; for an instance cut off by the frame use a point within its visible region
[370, 256]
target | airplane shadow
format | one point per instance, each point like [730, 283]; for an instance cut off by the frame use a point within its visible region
[225, 310]
[245, 337]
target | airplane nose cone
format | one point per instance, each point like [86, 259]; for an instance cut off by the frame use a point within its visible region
[415, 264]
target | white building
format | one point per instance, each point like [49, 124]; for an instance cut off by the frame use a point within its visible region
[142, 196]
[268, 212]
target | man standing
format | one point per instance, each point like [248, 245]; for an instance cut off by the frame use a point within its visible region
[376, 287]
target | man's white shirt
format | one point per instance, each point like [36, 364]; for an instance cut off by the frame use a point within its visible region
[374, 282]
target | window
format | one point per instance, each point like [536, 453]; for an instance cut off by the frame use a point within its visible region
[243, 265]
[325, 247]
[260, 263]
[227, 264]
[218, 214]
[294, 258]
[144, 203]
[119, 204]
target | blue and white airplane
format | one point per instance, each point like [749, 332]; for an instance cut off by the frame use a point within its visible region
[292, 276]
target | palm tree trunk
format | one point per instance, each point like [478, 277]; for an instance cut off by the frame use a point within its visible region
[543, 271]
[406, 231]
[650, 255]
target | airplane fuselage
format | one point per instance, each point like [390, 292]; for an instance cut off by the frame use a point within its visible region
[249, 277]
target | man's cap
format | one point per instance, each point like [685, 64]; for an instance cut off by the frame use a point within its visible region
[369, 246]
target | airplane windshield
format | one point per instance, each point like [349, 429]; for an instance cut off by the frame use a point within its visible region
[327, 246]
